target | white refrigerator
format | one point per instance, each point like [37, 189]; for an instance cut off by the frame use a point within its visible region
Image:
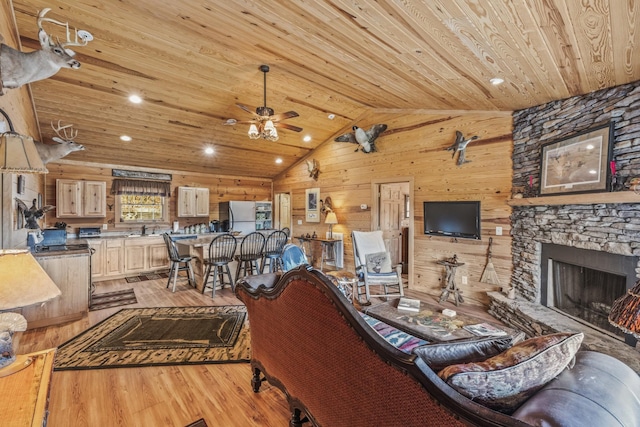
[241, 216]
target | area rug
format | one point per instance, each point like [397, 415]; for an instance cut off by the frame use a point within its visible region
[113, 299]
[199, 423]
[137, 337]
[144, 277]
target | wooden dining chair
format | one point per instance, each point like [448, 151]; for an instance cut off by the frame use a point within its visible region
[272, 252]
[250, 254]
[221, 252]
[178, 263]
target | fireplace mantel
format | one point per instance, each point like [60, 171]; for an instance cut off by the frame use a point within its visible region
[578, 199]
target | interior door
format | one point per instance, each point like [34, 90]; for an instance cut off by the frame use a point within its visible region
[282, 210]
[391, 216]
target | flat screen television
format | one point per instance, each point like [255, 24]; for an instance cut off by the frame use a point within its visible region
[452, 219]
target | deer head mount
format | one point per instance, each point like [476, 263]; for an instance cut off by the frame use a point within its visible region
[65, 143]
[19, 68]
[313, 168]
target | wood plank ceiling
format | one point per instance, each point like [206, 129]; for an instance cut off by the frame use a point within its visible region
[193, 60]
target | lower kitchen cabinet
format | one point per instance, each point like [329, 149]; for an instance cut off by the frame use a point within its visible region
[121, 257]
[70, 271]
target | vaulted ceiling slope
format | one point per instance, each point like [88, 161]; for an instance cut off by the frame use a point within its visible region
[193, 60]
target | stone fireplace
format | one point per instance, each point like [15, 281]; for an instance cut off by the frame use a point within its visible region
[602, 225]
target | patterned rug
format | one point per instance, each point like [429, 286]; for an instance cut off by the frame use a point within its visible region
[113, 299]
[160, 336]
[144, 277]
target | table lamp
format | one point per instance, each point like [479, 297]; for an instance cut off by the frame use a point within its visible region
[23, 282]
[331, 219]
[625, 312]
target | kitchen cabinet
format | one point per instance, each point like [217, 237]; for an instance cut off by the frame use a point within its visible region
[97, 258]
[70, 271]
[193, 202]
[81, 199]
[117, 257]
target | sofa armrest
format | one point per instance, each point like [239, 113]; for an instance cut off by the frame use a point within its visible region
[599, 390]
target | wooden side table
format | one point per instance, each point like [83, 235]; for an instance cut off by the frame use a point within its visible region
[450, 265]
[25, 394]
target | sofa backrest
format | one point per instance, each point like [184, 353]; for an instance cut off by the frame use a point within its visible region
[309, 341]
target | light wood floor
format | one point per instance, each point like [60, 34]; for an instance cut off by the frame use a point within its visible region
[162, 396]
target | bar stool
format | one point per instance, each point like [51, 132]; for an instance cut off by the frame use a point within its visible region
[250, 254]
[176, 260]
[272, 251]
[221, 252]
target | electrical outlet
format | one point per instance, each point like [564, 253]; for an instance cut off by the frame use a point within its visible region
[363, 206]
[104, 226]
[464, 280]
[498, 231]
[299, 222]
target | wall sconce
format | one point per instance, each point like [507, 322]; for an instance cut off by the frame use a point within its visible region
[18, 153]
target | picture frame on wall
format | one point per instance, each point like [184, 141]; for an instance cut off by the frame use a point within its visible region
[312, 204]
[580, 163]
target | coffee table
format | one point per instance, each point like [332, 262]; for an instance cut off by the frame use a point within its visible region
[429, 323]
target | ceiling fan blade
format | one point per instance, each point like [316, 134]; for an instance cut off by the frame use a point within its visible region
[287, 126]
[284, 116]
[245, 108]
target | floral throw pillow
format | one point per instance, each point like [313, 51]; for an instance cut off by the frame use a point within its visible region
[379, 262]
[505, 381]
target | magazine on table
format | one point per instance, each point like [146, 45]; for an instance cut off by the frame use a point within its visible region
[485, 329]
[408, 304]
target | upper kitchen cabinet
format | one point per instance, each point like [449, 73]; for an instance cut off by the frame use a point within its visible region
[193, 201]
[78, 199]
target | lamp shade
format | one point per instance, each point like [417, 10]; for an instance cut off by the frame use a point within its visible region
[18, 154]
[331, 218]
[23, 281]
[625, 312]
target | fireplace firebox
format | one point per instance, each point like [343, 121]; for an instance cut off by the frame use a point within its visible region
[583, 284]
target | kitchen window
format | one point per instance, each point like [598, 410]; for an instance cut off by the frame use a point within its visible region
[141, 202]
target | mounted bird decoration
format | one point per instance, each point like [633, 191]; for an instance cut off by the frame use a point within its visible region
[459, 146]
[313, 168]
[364, 138]
[33, 213]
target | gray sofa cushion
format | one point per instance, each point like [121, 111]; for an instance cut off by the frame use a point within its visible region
[599, 390]
[441, 355]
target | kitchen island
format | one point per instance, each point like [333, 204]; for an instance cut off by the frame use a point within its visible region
[70, 270]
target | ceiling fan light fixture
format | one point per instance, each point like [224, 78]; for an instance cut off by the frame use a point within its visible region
[253, 132]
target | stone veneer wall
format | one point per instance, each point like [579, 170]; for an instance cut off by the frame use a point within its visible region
[611, 228]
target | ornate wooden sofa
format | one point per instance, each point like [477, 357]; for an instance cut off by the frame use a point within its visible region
[335, 370]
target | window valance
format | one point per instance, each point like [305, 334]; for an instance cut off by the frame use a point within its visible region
[140, 187]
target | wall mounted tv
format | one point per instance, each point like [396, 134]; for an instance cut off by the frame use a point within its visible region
[452, 219]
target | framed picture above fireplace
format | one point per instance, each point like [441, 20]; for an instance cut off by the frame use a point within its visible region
[578, 164]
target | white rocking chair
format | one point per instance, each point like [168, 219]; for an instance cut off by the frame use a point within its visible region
[369, 244]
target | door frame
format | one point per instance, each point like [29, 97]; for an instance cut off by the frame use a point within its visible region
[290, 193]
[375, 213]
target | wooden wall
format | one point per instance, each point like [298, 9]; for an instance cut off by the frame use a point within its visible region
[18, 106]
[413, 149]
[221, 189]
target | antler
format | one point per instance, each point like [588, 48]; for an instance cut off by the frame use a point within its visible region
[87, 37]
[72, 133]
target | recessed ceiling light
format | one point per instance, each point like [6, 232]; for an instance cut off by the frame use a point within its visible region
[307, 138]
[135, 99]
[208, 150]
[125, 138]
[496, 81]
[278, 160]
[331, 116]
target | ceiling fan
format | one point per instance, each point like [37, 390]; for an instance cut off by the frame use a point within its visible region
[264, 121]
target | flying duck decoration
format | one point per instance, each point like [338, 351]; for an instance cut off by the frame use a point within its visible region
[459, 146]
[364, 138]
[33, 213]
